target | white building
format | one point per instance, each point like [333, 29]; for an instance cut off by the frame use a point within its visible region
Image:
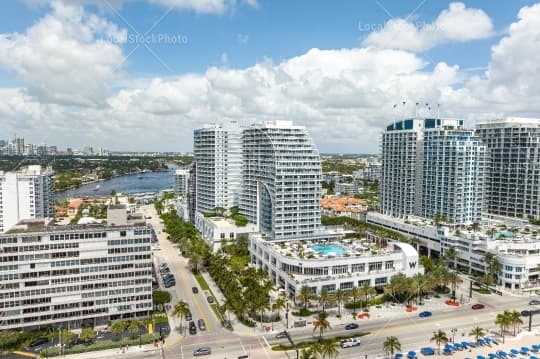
[73, 275]
[432, 167]
[513, 174]
[27, 193]
[216, 229]
[181, 180]
[326, 263]
[217, 153]
[518, 251]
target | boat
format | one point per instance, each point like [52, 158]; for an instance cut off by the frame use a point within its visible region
[97, 187]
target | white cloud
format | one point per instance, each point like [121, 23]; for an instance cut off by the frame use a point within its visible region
[199, 6]
[242, 38]
[455, 24]
[224, 58]
[344, 96]
[62, 58]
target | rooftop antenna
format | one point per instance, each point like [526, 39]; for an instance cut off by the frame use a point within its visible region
[416, 110]
[438, 111]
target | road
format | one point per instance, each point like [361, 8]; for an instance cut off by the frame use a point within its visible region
[412, 331]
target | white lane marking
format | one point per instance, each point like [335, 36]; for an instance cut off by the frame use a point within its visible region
[242, 345]
[266, 341]
[262, 346]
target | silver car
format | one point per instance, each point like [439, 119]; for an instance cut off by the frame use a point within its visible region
[202, 351]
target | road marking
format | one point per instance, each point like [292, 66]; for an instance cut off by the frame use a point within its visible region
[242, 345]
[262, 346]
[266, 341]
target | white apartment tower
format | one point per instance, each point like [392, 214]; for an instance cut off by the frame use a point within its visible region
[281, 180]
[218, 156]
[432, 167]
[181, 180]
[271, 171]
[513, 174]
[24, 194]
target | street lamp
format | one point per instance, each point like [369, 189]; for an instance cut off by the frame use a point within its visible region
[287, 316]
[454, 331]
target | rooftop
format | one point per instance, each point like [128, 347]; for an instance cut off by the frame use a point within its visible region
[344, 204]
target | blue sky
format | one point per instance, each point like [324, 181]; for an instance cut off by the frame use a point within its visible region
[234, 41]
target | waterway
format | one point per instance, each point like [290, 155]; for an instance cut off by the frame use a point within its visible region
[128, 184]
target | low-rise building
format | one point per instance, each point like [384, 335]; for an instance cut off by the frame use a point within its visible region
[327, 261]
[216, 229]
[517, 250]
[73, 206]
[77, 274]
[344, 207]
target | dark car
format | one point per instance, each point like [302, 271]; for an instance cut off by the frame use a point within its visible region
[424, 314]
[169, 284]
[534, 302]
[351, 326]
[195, 290]
[38, 342]
[526, 313]
[168, 276]
[192, 328]
[189, 318]
[201, 324]
[202, 351]
[281, 335]
[210, 299]
[478, 306]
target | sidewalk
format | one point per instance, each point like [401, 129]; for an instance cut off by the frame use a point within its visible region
[108, 353]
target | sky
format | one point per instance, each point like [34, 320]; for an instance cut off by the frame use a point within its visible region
[140, 75]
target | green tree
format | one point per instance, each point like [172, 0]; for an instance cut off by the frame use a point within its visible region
[329, 349]
[307, 354]
[118, 327]
[475, 226]
[180, 310]
[305, 295]
[366, 290]
[355, 295]
[134, 327]
[450, 256]
[161, 297]
[277, 306]
[454, 279]
[503, 320]
[339, 297]
[391, 345]
[321, 324]
[325, 298]
[439, 337]
[87, 335]
[9, 339]
[493, 266]
[515, 319]
[477, 332]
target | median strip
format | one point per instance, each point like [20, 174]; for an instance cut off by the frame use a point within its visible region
[308, 343]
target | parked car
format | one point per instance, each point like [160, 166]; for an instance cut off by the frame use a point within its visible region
[526, 312]
[281, 335]
[169, 284]
[192, 328]
[210, 299]
[38, 342]
[534, 302]
[425, 314]
[202, 351]
[195, 290]
[349, 342]
[478, 306]
[168, 276]
[189, 318]
[201, 324]
[351, 326]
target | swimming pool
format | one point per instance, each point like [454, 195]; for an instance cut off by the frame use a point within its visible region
[504, 234]
[330, 249]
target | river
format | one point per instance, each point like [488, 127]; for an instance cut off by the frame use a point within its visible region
[128, 184]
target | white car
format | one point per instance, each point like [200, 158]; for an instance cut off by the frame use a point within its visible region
[349, 342]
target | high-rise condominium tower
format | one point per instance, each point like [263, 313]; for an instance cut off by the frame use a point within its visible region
[513, 174]
[432, 167]
[24, 194]
[271, 171]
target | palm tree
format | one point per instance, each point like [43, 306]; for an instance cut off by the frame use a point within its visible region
[354, 294]
[454, 279]
[367, 291]
[475, 226]
[321, 323]
[493, 267]
[307, 354]
[439, 337]
[329, 349]
[180, 310]
[515, 319]
[503, 321]
[477, 332]
[118, 327]
[324, 298]
[305, 295]
[450, 256]
[339, 297]
[391, 345]
[87, 334]
[277, 306]
[195, 261]
[134, 327]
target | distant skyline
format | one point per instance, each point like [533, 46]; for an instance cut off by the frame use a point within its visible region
[140, 75]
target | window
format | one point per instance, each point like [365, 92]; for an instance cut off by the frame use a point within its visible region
[381, 280]
[346, 285]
